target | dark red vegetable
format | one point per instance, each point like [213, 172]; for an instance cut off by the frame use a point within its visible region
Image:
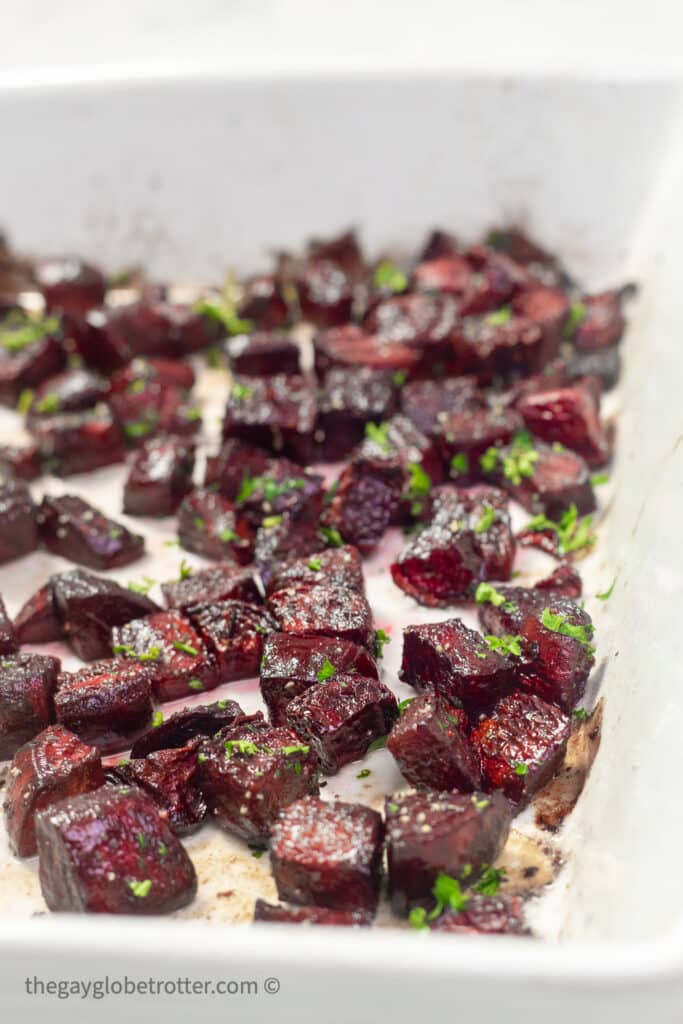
[349, 399]
[27, 686]
[106, 703]
[18, 526]
[160, 475]
[262, 354]
[219, 583]
[502, 914]
[270, 913]
[431, 746]
[234, 632]
[183, 726]
[71, 527]
[324, 610]
[169, 777]
[78, 442]
[276, 413]
[70, 285]
[339, 567]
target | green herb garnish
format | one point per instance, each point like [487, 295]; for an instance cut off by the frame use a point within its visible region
[240, 747]
[405, 703]
[378, 433]
[241, 391]
[573, 534]
[25, 401]
[332, 536]
[327, 671]
[559, 624]
[140, 889]
[196, 684]
[157, 719]
[227, 535]
[48, 405]
[223, 312]
[185, 648]
[185, 570]
[382, 638]
[490, 881]
[505, 644]
[363, 773]
[520, 459]
[389, 277]
[606, 594]
[136, 429]
[580, 713]
[18, 330]
[499, 316]
[486, 519]
[599, 478]
[521, 768]
[315, 565]
[142, 588]
[489, 460]
[460, 463]
[377, 744]
[271, 521]
[577, 313]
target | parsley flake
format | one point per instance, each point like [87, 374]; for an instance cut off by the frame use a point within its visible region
[389, 277]
[185, 570]
[505, 644]
[577, 314]
[559, 624]
[327, 671]
[460, 463]
[141, 889]
[315, 565]
[490, 881]
[378, 433]
[382, 638]
[332, 536]
[499, 316]
[486, 520]
[142, 588]
[606, 594]
[180, 645]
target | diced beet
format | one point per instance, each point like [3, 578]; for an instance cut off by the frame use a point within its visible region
[191, 330]
[484, 915]
[179, 664]
[365, 502]
[439, 244]
[570, 417]
[349, 399]
[277, 413]
[270, 913]
[564, 581]
[235, 463]
[278, 486]
[30, 351]
[70, 391]
[183, 726]
[51, 767]
[325, 293]
[77, 531]
[78, 442]
[95, 342]
[8, 640]
[219, 583]
[112, 852]
[488, 289]
[558, 478]
[563, 663]
[283, 537]
[87, 607]
[499, 344]
[139, 373]
[143, 328]
[37, 621]
[503, 616]
[324, 610]
[521, 745]
[265, 303]
[429, 834]
[603, 363]
[291, 665]
[341, 717]
[353, 346]
[339, 567]
[262, 354]
[154, 409]
[603, 322]
[554, 374]
[22, 461]
[343, 249]
[169, 777]
[107, 703]
[18, 528]
[450, 274]
[456, 662]
[328, 854]
[250, 772]
[27, 685]
[211, 526]
[234, 632]
[546, 306]
[428, 403]
[423, 322]
[159, 477]
[430, 744]
[467, 435]
[520, 247]
[70, 285]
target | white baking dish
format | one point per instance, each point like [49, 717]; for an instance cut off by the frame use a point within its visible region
[187, 175]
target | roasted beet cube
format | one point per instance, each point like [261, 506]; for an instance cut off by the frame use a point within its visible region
[521, 745]
[352, 346]
[277, 413]
[78, 442]
[430, 744]
[341, 717]
[234, 632]
[153, 409]
[488, 289]
[87, 607]
[30, 351]
[570, 417]
[70, 284]
[484, 915]
[602, 323]
[429, 834]
[169, 777]
[328, 854]
[325, 293]
[498, 344]
[250, 772]
[464, 437]
[502, 609]
[112, 852]
[603, 363]
[283, 537]
[77, 531]
[291, 665]
[343, 249]
[349, 399]
[179, 664]
[423, 322]
[449, 274]
[546, 306]
[324, 610]
[160, 476]
[564, 581]
[339, 567]
[265, 303]
[37, 621]
[140, 373]
[183, 726]
[428, 403]
[143, 328]
[212, 526]
[70, 391]
[27, 685]
[235, 463]
[205, 586]
[562, 633]
[456, 662]
[53, 766]
[262, 354]
[365, 502]
[107, 703]
[8, 640]
[440, 244]
[271, 913]
[544, 479]
[278, 486]
[21, 461]
[18, 527]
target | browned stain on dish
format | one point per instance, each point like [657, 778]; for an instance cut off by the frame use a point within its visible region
[529, 864]
[558, 798]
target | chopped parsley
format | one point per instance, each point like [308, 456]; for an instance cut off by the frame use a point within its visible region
[403, 704]
[505, 644]
[499, 316]
[142, 840]
[520, 768]
[378, 433]
[299, 748]
[332, 536]
[270, 521]
[163, 849]
[315, 565]
[448, 895]
[327, 671]
[25, 401]
[577, 313]
[481, 804]
[573, 534]
[48, 405]
[227, 535]
[247, 487]
[180, 645]
[419, 486]
[486, 520]
[198, 522]
[136, 429]
[560, 624]
[382, 638]
[606, 594]
[460, 463]
[223, 312]
[193, 413]
[196, 684]
[213, 357]
[185, 570]
[377, 744]
[490, 881]
[363, 773]
[241, 391]
[18, 330]
[240, 747]
[489, 460]
[390, 277]
[142, 588]
[599, 478]
[158, 719]
[257, 854]
[486, 593]
[580, 713]
[520, 459]
[399, 377]
[141, 889]
[153, 654]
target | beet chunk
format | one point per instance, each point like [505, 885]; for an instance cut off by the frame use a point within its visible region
[546, 306]
[543, 479]
[21, 461]
[499, 344]
[264, 302]
[287, 536]
[428, 403]
[70, 284]
[177, 731]
[30, 351]
[338, 567]
[154, 409]
[449, 274]
[563, 662]
[324, 610]
[485, 915]
[521, 745]
[349, 399]
[564, 581]
[467, 435]
[139, 373]
[211, 526]
[352, 346]
[291, 665]
[18, 527]
[88, 607]
[179, 664]
[430, 744]
[234, 632]
[169, 777]
[423, 322]
[570, 417]
[79, 532]
[602, 324]
[78, 442]
[271, 913]
[262, 354]
[429, 834]
[328, 855]
[160, 476]
[53, 766]
[502, 609]
[249, 772]
[277, 413]
[456, 662]
[325, 293]
[365, 502]
[603, 363]
[105, 704]
[341, 717]
[112, 852]
[236, 462]
[8, 640]
[269, 487]
[219, 583]
[70, 391]
[27, 685]
[37, 621]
